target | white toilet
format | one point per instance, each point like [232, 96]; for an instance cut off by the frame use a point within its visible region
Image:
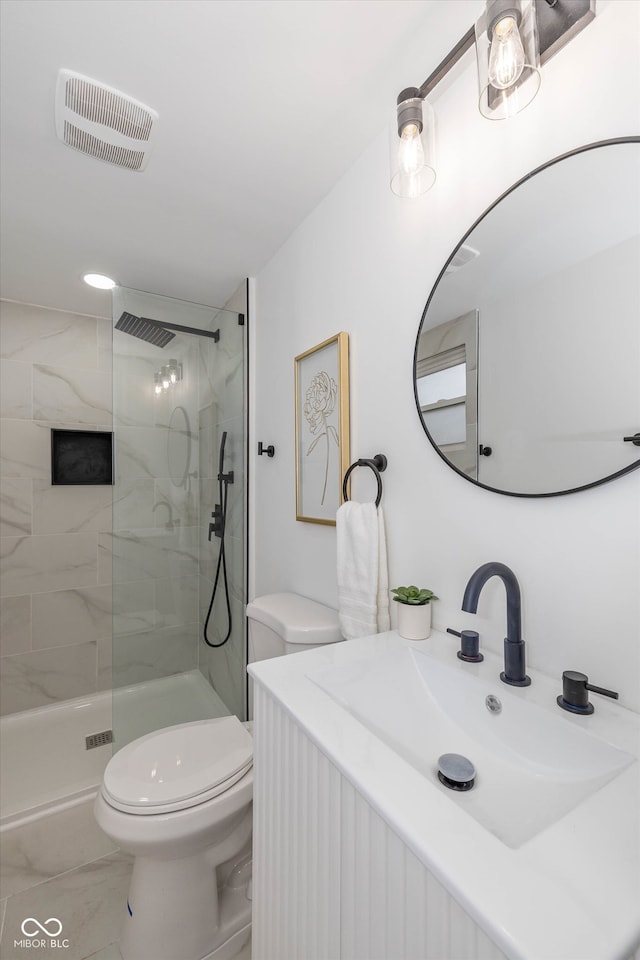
[179, 800]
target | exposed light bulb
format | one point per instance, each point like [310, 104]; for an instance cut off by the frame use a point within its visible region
[410, 151]
[157, 383]
[173, 371]
[506, 58]
[164, 373]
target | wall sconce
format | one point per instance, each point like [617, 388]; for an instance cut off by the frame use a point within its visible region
[412, 145]
[508, 58]
[513, 38]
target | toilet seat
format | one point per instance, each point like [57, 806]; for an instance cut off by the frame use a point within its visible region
[178, 767]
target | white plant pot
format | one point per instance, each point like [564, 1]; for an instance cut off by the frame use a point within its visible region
[414, 620]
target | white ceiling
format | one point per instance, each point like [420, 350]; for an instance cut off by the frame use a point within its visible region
[264, 104]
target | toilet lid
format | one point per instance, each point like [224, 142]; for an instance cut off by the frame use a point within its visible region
[179, 766]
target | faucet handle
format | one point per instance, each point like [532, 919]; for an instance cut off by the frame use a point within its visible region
[575, 697]
[469, 645]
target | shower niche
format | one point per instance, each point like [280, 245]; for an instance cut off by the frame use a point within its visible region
[81, 457]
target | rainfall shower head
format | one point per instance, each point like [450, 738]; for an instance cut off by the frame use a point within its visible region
[157, 331]
[144, 329]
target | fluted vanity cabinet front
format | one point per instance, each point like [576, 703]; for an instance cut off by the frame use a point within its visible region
[296, 850]
[331, 880]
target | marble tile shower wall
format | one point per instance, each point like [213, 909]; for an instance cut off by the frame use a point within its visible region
[222, 407]
[153, 548]
[55, 594]
[74, 557]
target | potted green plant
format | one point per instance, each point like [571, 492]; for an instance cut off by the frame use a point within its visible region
[414, 612]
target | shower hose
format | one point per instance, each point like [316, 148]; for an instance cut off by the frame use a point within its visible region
[224, 479]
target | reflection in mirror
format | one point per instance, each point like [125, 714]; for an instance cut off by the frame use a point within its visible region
[446, 387]
[546, 288]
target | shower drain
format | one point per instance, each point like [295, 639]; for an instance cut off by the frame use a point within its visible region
[98, 739]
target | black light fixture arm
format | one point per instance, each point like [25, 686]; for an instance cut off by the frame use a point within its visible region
[440, 72]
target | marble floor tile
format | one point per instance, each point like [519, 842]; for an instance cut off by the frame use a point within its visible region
[245, 953]
[35, 852]
[89, 902]
[112, 952]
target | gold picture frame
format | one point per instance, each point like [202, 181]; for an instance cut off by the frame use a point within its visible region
[322, 428]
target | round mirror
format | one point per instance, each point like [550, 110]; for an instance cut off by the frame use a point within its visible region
[527, 360]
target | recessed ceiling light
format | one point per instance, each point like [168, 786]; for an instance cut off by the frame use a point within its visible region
[100, 281]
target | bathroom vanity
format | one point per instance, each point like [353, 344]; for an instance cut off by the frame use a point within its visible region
[360, 852]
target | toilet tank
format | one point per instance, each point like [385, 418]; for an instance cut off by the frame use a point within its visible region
[282, 623]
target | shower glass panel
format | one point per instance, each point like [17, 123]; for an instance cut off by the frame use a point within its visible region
[175, 395]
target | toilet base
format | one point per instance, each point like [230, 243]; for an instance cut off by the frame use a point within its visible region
[185, 910]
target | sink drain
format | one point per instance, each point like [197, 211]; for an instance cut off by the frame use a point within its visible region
[456, 772]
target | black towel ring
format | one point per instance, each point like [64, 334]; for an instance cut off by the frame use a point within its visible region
[378, 464]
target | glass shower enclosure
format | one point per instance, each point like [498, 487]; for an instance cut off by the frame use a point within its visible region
[177, 548]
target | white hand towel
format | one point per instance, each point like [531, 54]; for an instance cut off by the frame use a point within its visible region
[384, 620]
[363, 594]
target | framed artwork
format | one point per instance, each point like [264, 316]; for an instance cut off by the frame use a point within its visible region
[81, 457]
[322, 428]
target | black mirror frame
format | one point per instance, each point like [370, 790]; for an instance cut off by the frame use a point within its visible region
[477, 483]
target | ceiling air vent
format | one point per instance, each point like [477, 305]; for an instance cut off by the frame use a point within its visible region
[461, 257]
[104, 123]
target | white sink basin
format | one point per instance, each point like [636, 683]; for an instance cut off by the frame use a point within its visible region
[533, 762]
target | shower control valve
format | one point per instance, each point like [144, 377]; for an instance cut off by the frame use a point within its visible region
[216, 527]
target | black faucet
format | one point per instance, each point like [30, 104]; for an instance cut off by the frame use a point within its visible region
[514, 660]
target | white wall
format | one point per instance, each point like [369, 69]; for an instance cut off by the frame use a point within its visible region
[574, 320]
[365, 262]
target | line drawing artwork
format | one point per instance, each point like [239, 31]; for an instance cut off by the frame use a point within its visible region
[321, 382]
[319, 405]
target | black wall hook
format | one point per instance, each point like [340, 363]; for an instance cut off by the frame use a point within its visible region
[270, 450]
